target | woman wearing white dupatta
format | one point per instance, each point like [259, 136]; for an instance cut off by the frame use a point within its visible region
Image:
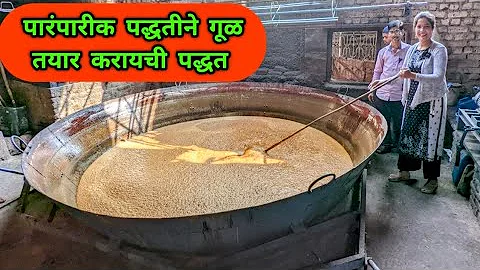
[425, 100]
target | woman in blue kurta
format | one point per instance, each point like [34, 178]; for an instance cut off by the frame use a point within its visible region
[425, 100]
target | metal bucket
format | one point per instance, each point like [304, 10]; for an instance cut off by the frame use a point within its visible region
[56, 158]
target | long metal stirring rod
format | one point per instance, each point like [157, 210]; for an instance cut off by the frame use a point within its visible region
[376, 87]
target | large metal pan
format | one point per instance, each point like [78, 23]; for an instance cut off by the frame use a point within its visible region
[56, 158]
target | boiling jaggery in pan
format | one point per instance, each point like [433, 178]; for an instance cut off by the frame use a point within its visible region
[201, 167]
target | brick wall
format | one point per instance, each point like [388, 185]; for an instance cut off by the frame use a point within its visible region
[284, 60]
[459, 27]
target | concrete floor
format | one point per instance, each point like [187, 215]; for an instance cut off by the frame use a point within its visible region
[11, 184]
[406, 229]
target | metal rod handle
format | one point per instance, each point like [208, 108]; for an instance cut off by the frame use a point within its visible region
[12, 139]
[374, 88]
[320, 178]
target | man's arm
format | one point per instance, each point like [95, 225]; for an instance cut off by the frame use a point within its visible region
[378, 65]
[377, 71]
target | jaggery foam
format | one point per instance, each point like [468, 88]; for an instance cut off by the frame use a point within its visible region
[201, 167]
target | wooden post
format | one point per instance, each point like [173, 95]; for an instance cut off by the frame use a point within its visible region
[4, 76]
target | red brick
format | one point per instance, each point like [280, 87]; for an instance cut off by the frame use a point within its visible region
[455, 21]
[474, 43]
[467, 6]
[475, 13]
[443, 29]
[466, 21]
[454, 76]
[383, 20]
[454, 6]
[472, 70]
[455, 29]
[356, 20]
[457, 57]
[473, 77]
[455, 62]
[347, 3]
[458, 42]
[467, 63]
[397, 13]
[361, 2]
[448, 37]
[443, 7]
[457, 50]
[470, 36]
[458, 14]
[473, 56]
[440, 15]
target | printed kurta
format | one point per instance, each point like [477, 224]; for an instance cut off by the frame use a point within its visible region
[423, 128]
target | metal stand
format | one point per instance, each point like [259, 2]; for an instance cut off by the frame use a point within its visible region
[360, 259]
[24, 195]
[26, 186]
